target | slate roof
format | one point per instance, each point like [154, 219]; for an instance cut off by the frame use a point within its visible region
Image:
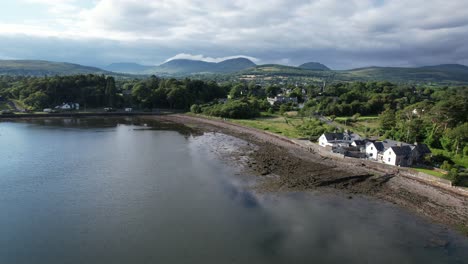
[402, 150]
[334, 136]
[388, 143]
[360, 142]
[378, 145]
[422, 148]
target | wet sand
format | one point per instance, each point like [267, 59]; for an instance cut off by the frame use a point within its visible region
[284, 166]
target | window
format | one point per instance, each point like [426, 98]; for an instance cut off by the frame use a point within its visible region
[389, 159]
[372, 154]
[371, 148]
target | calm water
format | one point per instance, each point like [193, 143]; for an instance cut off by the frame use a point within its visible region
[113, 191]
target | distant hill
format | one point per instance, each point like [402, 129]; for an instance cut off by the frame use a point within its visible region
[442, 74]
[314, 66]
[437, 73]
[244, 68]
[127, 67]
[187, 67]
[280, 70]
[41, 68]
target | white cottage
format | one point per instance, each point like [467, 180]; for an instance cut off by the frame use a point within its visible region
[330, 139]
[398, 156]
[337, 139]
[373, 149]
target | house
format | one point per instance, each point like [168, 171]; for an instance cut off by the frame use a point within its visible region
[68, 106]
[419, 151]
[359, 143]
[373, 149]
[337, 139]
[64, 106]
[280, 99]
[329, 139]
[398, 156]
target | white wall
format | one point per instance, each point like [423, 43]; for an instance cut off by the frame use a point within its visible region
[390, 157]
[371, 151]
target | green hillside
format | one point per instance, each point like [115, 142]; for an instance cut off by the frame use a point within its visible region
[277, 69]
[442, 74]
[438, 74]
[317, 66]
[183, 67]
[41, 68]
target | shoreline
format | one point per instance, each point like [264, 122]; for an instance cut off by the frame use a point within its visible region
[283, 165]
[295, 169]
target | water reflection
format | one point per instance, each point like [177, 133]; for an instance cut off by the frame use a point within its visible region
[110, 122]
[72, 194]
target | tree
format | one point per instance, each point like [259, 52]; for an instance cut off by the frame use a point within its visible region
[142, 94]
[110, 91]
[387, 120]
[37, 100]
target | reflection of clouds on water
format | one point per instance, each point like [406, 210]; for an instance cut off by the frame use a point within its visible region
[333, 229]
[242, 196]
[326, 228]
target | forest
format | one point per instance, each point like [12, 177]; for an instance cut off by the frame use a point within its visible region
[435, 115]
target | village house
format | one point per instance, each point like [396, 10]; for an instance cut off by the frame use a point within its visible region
[337, 139]
[280, 99]
[68, 106]
[396, 153]
[359, 144]
[373, 149]
[398, 156]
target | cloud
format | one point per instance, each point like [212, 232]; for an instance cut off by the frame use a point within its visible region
[209, 59]
[338, 33]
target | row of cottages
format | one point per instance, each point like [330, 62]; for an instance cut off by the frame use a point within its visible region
[396, 153]
[338, 139]
[388, 151]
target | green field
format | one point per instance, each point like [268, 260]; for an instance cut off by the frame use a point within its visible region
[431, 172]
[275, 124]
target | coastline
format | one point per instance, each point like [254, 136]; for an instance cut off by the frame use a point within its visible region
[285, 166]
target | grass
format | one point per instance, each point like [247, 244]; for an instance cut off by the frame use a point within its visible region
[361, 118]
[275, 124]
[365, 125]
[431, 172]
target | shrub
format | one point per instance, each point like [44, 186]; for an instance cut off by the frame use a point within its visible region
[196, 109]
[237, 109]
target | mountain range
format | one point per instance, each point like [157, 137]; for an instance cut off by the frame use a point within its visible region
[182, 67]
[239, 67]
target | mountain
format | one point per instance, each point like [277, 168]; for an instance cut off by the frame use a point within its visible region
[316, 66]
[182, 67]
[127, 67]
[234, 65]
[438, 73]
[41, 68]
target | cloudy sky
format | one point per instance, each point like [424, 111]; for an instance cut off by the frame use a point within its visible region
[341, 34]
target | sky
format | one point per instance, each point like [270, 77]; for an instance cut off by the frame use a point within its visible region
[341, 34]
